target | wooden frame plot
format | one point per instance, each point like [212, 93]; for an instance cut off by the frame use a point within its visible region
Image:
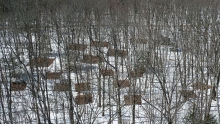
[80, 47]
[91, 59]
[188, 94]
[41, 62]
[200, 86]
[18, 86]
[122, 84]
[132, 99]
[61, 87]
[82, 87]
[53, 75]
[120, 53]
[107, 72]
[136, 74]
[84, 99]
[99, 43]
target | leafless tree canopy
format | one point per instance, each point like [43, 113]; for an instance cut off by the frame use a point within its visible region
[109, 61]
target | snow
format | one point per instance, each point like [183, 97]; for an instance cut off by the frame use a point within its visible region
[23, 103]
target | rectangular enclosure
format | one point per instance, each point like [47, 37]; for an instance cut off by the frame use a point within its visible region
[136, 74]
[91, 59]
[188, 94]
[106, 72]
[84, 99]
[119, 53]
[41, 62]
[80, 47]
[82, 87]
[132, 99]
[122, 83]
[53, 75]
[18, 86]
[99, 43]
[200, 86]
[61, 87]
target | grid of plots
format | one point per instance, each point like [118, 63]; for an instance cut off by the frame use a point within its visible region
[105, 81]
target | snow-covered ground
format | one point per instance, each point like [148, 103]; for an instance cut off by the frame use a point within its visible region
[153, 108]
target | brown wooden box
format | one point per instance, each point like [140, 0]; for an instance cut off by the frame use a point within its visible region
[91, 59]
[200, 86]
[136, 74]
[120, 53]
[80, 47]
[99, 44]
[188, 94]
[132, 99]
[53, 75]
[41, 62]
[82, 87]
[18, 86]
[61, 87]
[109, 72]
[84, 99]
[122, 83]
